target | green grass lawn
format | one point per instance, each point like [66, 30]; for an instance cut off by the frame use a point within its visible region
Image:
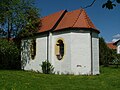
[109, 79]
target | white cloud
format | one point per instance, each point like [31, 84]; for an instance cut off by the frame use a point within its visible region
[114, 40]
[117, 36]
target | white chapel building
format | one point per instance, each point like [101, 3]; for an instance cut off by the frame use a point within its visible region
[69, 40]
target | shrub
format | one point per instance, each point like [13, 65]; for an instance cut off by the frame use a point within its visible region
[47, 68]
[9, 55]
[116, 61]
[106, 54]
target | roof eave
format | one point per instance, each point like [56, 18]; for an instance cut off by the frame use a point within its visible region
[95, 30]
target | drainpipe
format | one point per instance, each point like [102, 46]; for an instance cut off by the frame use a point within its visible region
[47, 46]
[47, 50]
[91, 53]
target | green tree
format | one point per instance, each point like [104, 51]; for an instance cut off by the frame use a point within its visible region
[107, 55]
[17, 16]
[103, 52]
[2, 33]
[9, 55]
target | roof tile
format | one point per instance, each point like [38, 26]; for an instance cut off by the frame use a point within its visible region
[111, 45]
[68, 20]
[48, 22]
[84, 21]
[63, 19]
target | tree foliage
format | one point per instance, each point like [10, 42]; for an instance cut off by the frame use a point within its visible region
[17, 16]
[102, 51]
[106, 54]
[109, 4]
[9, 55]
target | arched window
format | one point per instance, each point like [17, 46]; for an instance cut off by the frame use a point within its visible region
[33, 48]
[60, 49]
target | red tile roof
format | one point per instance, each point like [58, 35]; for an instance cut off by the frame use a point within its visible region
[63, 20]
[111, 45]
[48, 22]
[68, 20]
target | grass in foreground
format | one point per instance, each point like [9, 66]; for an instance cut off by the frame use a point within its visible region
[109, 79]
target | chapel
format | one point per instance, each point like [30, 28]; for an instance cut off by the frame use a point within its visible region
[68, 40]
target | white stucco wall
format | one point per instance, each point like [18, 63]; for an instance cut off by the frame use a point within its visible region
[41, 54]
[77, 55]
[118, 47]
[81, 53]
[62, 66]
[95, 53]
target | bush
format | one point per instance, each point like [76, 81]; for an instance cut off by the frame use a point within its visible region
[47, 68]
[106, 54]
[116, 61]
[103, 52]
[9, 55]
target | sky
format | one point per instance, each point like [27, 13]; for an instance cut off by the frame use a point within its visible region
[106, 21]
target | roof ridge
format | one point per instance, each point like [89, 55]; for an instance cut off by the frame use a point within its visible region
[49, 22]
[77, 17]
[52, 13]
[88, 21]
[64, 20]
[58, 21]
